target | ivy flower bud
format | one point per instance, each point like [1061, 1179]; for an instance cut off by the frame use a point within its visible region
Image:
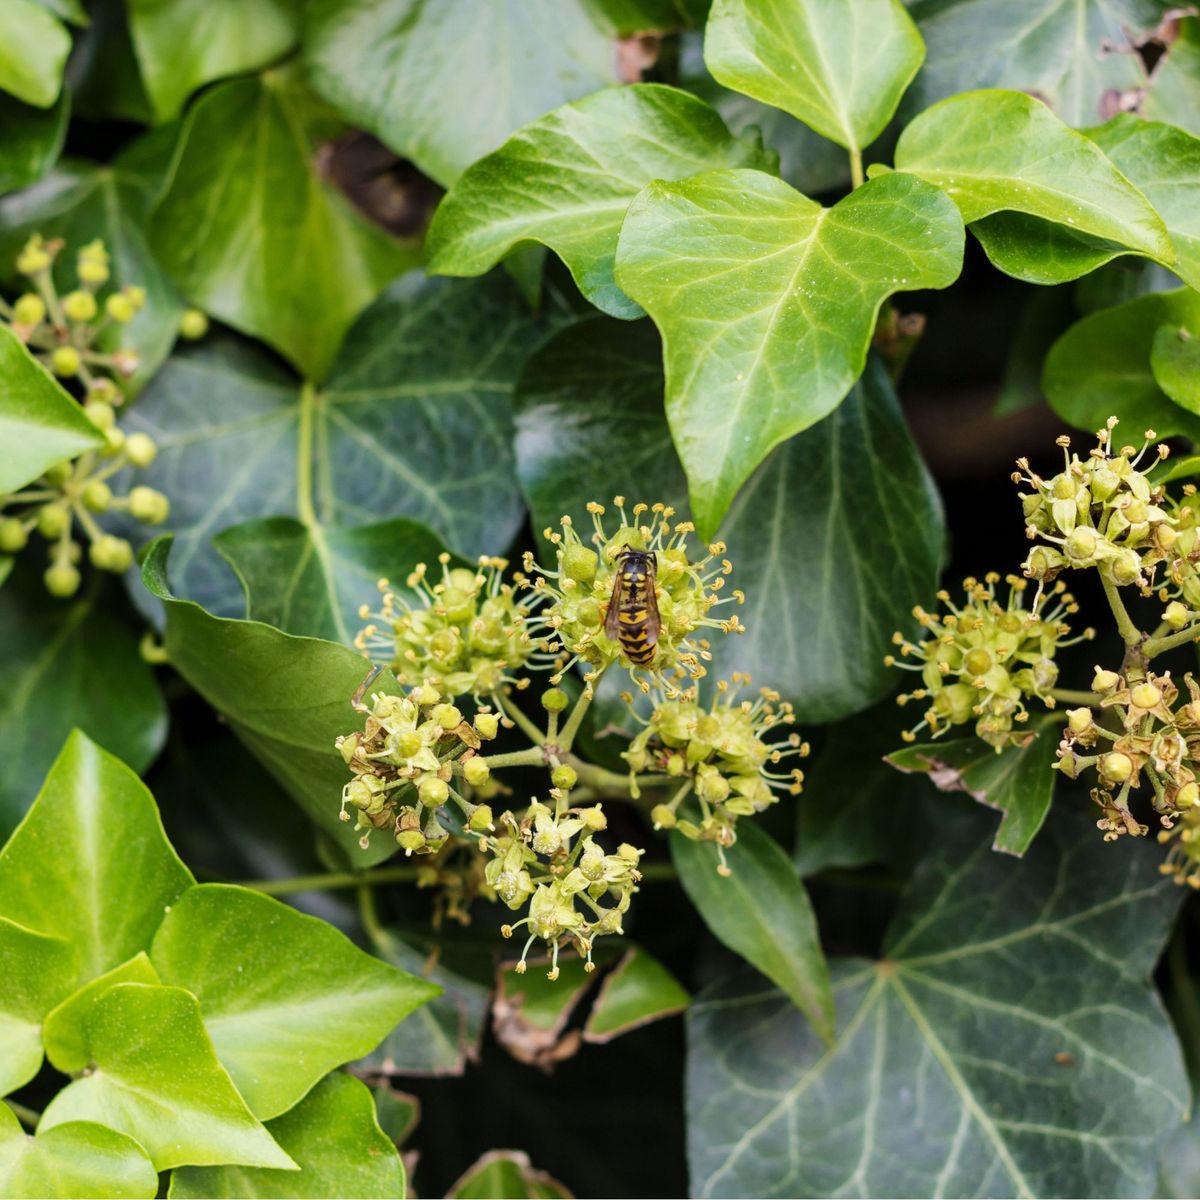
[1080, 720]
[120, 308]
[1188, 796]
[53, 521]
[1105, 681]
[79, 306]
[30, 309]
[476, 771]
[1145, 696]
[564, 777]
[487, 725]
[555, 700]
[410, 840]
[1177, 615]
[481, 819]
[447, 716]
[433, 790]
[593, 818]
[97, 496]
[34, 258]
[92, 263]
[193, 325]
[62, 580]
[111, 553]
[579, 562]
[662, 817]
[1116, 766]
[100, 413]
[65, 361]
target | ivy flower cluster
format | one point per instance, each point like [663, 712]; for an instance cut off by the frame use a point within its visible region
[550, 860]
[463, 634]
[63, 332]
[981, 659]
[575, 596]
[722, 755]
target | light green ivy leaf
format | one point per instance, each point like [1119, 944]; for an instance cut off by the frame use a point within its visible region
[389, 65]
[90, 862]
[76, 1161]
[249, 231]
[998, 1047]
[334, 1138]
[506, 1175]
[155, 1077]
[1173, 90]
[567, 180]
[1101, 366]
[285, 997]
[1175, 365]
[1034, 191]
[840, 68]
[33, 51]
[637, 991]
[767, 302]
[183, 44]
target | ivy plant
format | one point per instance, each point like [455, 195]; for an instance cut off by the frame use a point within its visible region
[471, 486]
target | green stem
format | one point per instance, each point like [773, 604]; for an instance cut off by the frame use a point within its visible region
[514, 714]
[1156, 645]
[856, 168]
[1128, 630]
[613, 782]
[657, 872]
[304, 492]
[27, 1116]
[533, 757]
[369, 915]
[331, 881]
[567, 738]
[1073, 696]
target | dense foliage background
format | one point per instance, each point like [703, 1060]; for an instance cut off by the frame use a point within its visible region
[815, 272]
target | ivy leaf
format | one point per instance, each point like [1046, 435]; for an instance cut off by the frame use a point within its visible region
[415, 421]
[1164, 162]
[1069, 54]
[1173, 90]
[1101, 366]
[335, 1139]
[73, 1162]
[767, 302]
[310, 581]
[388, 66]
[156, 1078]
[761, 911]
[998, 1047]
[1018, 781]
[1175, 365]
[629, 17]
[90, 862]
[250, 233]
[40, 424]
[66, 666]
[589, 428]
[33, 50]
[182, 46]
[248, 959]
[841, 69]
[64, 1031]
[1005, 152]
[79, 202]
[637, 991]
[287, 698]
[39, 970]
[31, 139]
[567, 180]
[505, 1175]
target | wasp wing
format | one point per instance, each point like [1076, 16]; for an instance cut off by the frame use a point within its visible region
[612, 618]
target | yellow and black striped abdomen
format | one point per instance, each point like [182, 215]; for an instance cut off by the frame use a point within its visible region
[632, 617]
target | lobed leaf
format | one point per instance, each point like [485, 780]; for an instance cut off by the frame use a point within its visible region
[767, 302]
[33, 51]
[567, 180]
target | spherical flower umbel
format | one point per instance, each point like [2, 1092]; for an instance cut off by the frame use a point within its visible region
[721, 754]
[1100, 512]
[464, 634]
[982, 659]
[577, 593]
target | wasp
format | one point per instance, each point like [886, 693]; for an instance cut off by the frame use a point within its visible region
[632, 618]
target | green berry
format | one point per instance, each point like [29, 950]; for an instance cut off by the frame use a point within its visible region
[141, 448]
[555, 699]
[193, 324]
[564, 777]
[33, 258]
[53, 521]
[1116, 767]
[476, 771]
[120, 308]
[433, 790]
[13, 535]
[29, 310]
[65, 361]
[92, 263]
[61, 580]
[148, 505]
[79, 306]
[111, 553]
[97, 496]
[487, 725]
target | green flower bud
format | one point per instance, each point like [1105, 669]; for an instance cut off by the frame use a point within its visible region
[193, 324]
[1081, 544]
[447, 716]
[100, 413]
[662, 817]
[1116, 767]
[1124, 568]
[111, 553]
[487, 725]
[148, 505]
[408, 744]
[433, 790]
[481, 819]
[79, 306]
[410, 840]
[34, 258]
[120, 308]
[564, 777]
[1043, 563]
[631, 854]
[977, 662]
[53, 521]
[29, 310]
[579, 562]
[593, 818]
[1188, 796]
[555, 699]
[1176, 615]
[97, 495]
[1105, 681]
[1145, 696]
[62, 580]
[65, 361]
[92, 263]
[1079, 720]
[476, 771]
[1064, 487]
[711, 785]
[13, 535]
[425, 695]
